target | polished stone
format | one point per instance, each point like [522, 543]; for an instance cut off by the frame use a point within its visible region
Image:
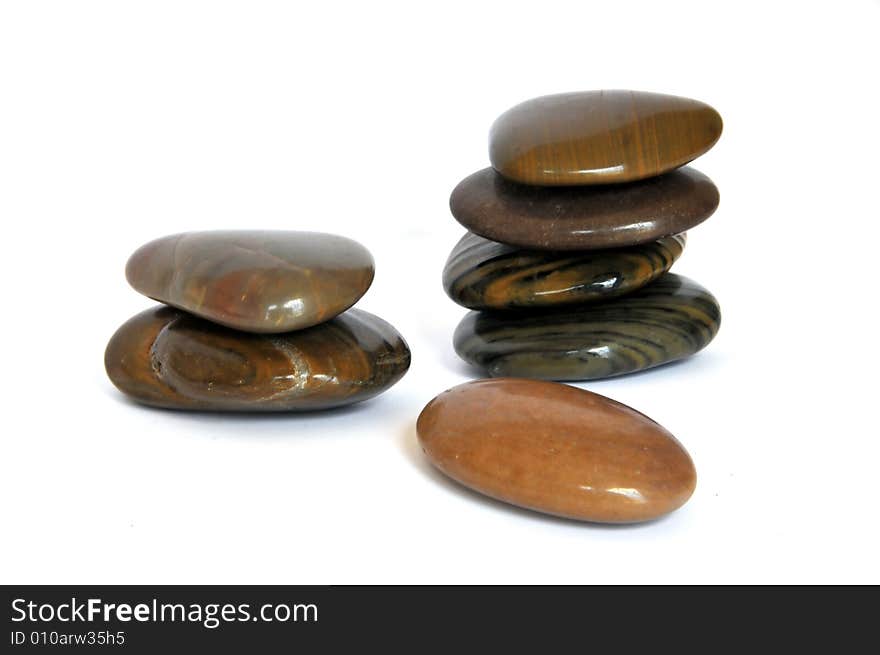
[482, 274]
[256, 281]
[167, 358]
[667, 320]
[600, 137]
[583, 218]
[556, 449]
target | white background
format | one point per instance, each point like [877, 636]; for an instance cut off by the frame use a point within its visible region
[124, 121]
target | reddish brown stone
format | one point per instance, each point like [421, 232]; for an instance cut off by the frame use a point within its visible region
[583, 218]
[556, 449]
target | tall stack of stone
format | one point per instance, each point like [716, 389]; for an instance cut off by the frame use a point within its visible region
[254, 321]
[572, 232]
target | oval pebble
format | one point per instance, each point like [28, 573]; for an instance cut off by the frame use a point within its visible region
[556, 449]
[669, 319]
[166, 358]
[583, 218]
[263, 281]
[600, 137]
[482, 274]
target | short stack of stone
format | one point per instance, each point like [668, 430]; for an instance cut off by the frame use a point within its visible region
[254, 321]
[572, 232]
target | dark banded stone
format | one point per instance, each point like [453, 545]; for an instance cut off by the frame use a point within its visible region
[583, 218]
[167, 358]
[482, 274]
[600, 137]
[667, 320]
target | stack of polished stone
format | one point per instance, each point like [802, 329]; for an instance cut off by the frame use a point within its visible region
[572, 232]
[254, 321]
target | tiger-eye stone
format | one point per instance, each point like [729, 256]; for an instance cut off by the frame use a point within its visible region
[167, 358]
[256, 281]
[583, 218]
[482, 274]
[600, 137]
[556, 449]
[670, 319]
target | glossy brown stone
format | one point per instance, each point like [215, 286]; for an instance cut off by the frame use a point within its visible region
[556, 449]
[583, 218]
[483, 274]
[670, 319]
[254, 280]
[167, 358]
[600, 137]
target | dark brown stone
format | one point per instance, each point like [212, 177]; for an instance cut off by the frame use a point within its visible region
[583, 218]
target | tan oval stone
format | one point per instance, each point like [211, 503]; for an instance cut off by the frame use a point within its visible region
[556, 449]
[600, 137]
